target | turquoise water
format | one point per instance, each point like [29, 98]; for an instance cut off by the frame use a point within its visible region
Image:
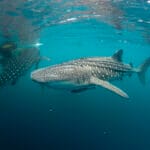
[45, 119]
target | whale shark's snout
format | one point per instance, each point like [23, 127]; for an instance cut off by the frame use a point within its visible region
[38, 76]
[45, 75]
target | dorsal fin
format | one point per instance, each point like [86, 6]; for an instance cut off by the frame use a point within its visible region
[118, 55]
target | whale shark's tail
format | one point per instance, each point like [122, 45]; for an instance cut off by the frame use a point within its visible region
[142, 70]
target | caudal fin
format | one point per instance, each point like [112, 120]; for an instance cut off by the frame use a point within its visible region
[142, 70]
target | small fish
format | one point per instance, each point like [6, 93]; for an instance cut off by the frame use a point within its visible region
[95, 71]
[14, 67]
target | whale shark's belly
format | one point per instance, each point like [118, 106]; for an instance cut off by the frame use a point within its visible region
[67, 85]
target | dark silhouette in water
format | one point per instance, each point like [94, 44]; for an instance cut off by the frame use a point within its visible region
[16, 30]
[16, 66]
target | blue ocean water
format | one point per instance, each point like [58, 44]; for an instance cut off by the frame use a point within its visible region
[45, 119]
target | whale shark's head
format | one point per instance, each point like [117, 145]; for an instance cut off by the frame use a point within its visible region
[38, 76]
[45, 75]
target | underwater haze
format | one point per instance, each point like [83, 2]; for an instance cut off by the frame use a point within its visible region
[40, 118]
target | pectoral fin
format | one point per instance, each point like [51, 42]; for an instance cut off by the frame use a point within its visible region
[108, 86]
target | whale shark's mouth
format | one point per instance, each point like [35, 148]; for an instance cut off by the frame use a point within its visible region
[39, 76]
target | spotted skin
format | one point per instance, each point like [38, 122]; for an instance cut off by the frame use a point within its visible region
[84, 73]
[14, 67]
[79, 71]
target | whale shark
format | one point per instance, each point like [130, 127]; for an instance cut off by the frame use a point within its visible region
[87, 73]
[12, 68]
